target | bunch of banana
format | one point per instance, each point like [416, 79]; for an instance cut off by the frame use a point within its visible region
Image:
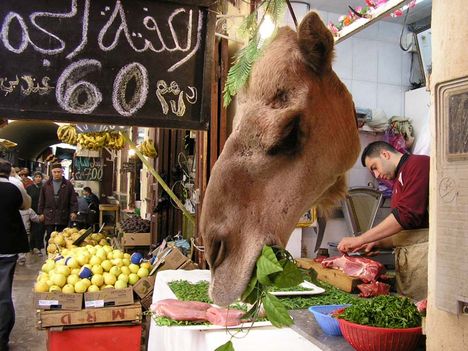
[115, 141]
[7, 144]
[98, 140]
[92, 141]
[147, 148]
[67, 133]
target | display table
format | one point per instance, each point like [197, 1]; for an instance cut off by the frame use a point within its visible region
[208, 338]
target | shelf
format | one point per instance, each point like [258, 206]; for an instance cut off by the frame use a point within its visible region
[376, 15]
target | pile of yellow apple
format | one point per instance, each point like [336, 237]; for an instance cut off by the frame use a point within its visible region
[67, 237]
[89, 268]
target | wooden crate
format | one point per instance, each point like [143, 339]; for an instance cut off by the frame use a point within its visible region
[58, 301]
[130, 313]
[108, 297]
[136, 239]
[334, 277]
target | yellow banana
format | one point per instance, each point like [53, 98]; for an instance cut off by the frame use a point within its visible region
[147, 148]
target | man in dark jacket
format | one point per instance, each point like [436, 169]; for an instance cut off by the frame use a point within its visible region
[93, 206]
[13, 240]
[57, 202]
[37, 229]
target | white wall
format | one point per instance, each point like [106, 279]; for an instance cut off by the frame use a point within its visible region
[373, 67]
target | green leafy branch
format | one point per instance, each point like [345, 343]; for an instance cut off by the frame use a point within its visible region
[275, 268]
[239, 72]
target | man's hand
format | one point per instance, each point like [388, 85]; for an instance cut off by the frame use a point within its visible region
[368, 249]
[72, 216]
[41, 218]
[350, 244]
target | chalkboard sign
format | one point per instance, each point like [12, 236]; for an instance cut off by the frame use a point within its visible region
[88, 168]
[128, 167]
[126, 62]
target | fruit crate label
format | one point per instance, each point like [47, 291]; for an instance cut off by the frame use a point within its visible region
[47, 303]
[94, 303]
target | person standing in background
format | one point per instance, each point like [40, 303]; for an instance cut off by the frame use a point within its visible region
[24, 178]
[91, 199]
[57, 202]
[29, 217]
[37, 229]
[13, 240]
[93, 206]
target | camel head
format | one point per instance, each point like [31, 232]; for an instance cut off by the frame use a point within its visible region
[294, 137]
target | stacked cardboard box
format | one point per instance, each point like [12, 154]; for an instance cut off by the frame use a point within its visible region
[169, 258]
[172, 258]
[144, 290]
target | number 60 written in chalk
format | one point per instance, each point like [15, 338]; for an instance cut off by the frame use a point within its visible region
[76, 95]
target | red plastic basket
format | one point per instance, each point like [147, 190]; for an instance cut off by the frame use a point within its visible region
[367, 338]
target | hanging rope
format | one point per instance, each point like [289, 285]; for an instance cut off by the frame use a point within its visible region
[159, 179]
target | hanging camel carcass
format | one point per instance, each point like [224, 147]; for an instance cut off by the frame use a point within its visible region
[294, 137]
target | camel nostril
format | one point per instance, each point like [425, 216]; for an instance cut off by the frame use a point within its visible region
[217, 253]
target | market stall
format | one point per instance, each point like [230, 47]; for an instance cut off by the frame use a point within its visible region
[309, 331]
[85, 289]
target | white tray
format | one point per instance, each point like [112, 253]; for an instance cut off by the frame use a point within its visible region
[314, 289]
[194, 276]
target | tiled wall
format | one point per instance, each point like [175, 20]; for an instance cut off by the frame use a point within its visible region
[373, 67]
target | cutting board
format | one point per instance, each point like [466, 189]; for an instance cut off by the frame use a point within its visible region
[332, 276]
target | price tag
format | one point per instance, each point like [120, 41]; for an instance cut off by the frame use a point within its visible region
[47, 303]
[94, 303]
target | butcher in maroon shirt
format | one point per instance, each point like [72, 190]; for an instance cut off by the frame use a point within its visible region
[405, 228]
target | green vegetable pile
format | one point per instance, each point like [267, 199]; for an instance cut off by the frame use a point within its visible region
[331, 296]
[186, 291]
[384, 311]
[169, 322]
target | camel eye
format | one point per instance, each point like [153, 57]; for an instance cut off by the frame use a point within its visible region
[290, 139]
[281, 99]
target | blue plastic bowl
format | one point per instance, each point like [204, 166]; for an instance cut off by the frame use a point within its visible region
[322, 314]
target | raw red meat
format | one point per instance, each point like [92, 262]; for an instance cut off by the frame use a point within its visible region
[422, 305]
[360, 267]
[181, 310]
[196, 305]
[373, 289]
[224, 317]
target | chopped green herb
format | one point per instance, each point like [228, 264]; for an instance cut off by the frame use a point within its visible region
[186, 291]
[331, 296]
[386, 311]
[168, 322]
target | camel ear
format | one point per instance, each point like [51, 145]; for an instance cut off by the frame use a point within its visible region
[316, 43]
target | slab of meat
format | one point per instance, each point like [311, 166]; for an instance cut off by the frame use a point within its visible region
[360, 267]
[373, 289]
[181, 310]
[224, 317]
[319, 259]
[422, 305]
